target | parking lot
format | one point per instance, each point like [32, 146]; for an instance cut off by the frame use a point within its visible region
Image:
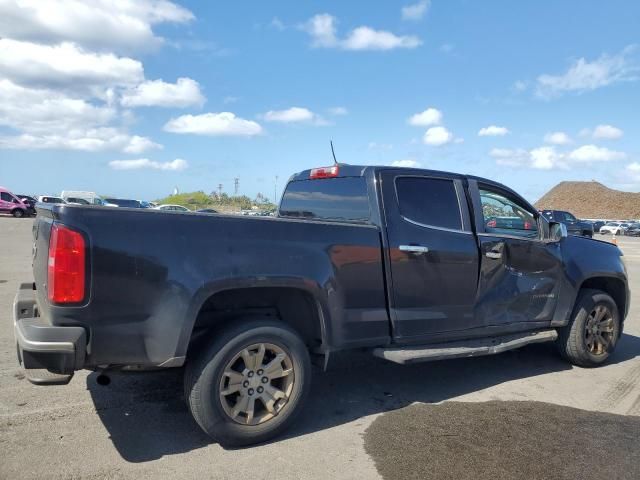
[525, 413]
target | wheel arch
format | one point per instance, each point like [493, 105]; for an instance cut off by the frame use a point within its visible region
[613, 286]
[297, 304]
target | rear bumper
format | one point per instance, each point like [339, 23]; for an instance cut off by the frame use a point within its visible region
[58, 349]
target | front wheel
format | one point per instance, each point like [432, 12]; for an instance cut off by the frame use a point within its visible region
[593, 330]
[250, 383]
[17, 213]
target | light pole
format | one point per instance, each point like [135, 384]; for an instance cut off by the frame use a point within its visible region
[275, 191]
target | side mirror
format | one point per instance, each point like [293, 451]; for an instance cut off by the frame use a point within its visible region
[557, 231]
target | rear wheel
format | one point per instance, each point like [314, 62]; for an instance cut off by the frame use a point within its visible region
[593, 331]
[249, 384]
[17, 213]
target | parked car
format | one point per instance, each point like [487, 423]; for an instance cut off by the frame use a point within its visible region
[92, 198]
[633, 230]
[49, 199]
[172, 208]
[9, 203]
[125, 203]
[574, 226]
[206, 210]
[29, 201]
[397, 261]
[596, 225]
[615, 228]
[77, 201]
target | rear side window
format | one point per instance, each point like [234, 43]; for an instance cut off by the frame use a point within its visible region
[431, 202]
[333, 199]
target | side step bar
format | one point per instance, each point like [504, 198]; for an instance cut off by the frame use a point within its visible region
[45, 377]
[466, 348]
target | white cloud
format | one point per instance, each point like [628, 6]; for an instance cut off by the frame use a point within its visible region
[493, 131]
[593, 153]
[138, 144]
[277, 24]
[88, 140]
[437, 136]
[65, 66]
[295, 115]
[431, 116]
[366, 38]
[416, 11]
[547, 157]
[557, 138]
[184, 93]
[215, 124]
[407, 163]
[541, 158]
[50, 119]
[379, 146]
[144, 163]
[44, 110]
[323, 32]
[583, 76]
[510, 157]
[337, 111]
[290, 115]
[607, 132]
[101, 24]
[519, 86]
[62, 86]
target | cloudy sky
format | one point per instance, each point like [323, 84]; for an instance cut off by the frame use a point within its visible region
[134, 97]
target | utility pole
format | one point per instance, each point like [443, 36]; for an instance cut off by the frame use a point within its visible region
[236, 182]
[219, 190]
[275, 191]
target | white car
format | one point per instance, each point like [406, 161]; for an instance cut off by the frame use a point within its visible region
[615, 228]
[172, 208]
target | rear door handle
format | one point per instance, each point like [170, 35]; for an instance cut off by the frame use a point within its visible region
[494, 255]
[413, 248]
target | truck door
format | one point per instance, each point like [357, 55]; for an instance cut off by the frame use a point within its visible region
[432, 253]
[520, 273]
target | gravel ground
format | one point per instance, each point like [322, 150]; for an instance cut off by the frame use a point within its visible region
[139, 427]
[490, 440]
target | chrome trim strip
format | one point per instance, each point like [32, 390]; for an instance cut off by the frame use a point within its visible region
[436, 228]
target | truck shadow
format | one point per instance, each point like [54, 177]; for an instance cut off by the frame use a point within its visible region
[147, 418]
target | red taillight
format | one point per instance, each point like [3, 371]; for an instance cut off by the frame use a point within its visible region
[324, 172]
[492, 224]
[527, 226]
[66, 265]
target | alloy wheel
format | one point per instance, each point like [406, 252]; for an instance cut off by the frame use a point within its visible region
[599, 330]
[256, 384]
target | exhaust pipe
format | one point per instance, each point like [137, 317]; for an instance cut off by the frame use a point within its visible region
[103, 379]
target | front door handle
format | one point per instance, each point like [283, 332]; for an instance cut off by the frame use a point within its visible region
[413, 248]
[494, 255]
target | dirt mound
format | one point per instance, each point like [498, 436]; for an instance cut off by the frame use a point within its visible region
[591, 200]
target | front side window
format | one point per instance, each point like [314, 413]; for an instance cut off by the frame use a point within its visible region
[6, 197]
[432, 202]
[568, 217]
[505, 216]
[332, 199]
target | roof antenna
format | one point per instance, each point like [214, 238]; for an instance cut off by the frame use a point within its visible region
[335, 162]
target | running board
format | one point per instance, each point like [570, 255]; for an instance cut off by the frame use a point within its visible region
[466, 348]
[45, 377]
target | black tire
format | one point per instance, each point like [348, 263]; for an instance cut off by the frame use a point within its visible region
[572, 339]
[204, 373]
[18, 213]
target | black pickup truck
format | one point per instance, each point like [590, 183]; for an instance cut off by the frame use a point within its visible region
[410, 264]
[574, 226]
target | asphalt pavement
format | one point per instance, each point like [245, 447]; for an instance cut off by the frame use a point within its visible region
[524, 413]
